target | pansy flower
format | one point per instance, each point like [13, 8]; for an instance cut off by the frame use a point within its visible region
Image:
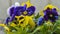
[50, 14]
[20, 10]
[40, 21]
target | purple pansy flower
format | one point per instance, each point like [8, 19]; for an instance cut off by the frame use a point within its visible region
[51, 14]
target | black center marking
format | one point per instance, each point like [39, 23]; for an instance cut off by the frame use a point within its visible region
[21, 18]
[15, 18]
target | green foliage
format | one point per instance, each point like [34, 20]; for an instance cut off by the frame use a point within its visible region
[18, 30]
[37, 16]
[51, 28]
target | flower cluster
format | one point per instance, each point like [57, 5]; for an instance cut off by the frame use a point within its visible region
[22, 19]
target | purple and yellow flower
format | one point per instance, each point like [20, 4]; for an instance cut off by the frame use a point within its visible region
[51, 14]
[20, 10]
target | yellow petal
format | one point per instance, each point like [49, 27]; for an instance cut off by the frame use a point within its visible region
[20, 22]
[12, 24]
[25, 21]
[6, 28]
[27, 3]
[2, 25]
[41, 13]
[50, 6]
[18, 17]
[31, 22]
[32, 16]
[26, 18]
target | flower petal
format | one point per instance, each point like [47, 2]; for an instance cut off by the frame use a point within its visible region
[31, 10]
[40, 21]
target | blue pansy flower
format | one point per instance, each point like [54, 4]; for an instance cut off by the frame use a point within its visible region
[40, 21]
